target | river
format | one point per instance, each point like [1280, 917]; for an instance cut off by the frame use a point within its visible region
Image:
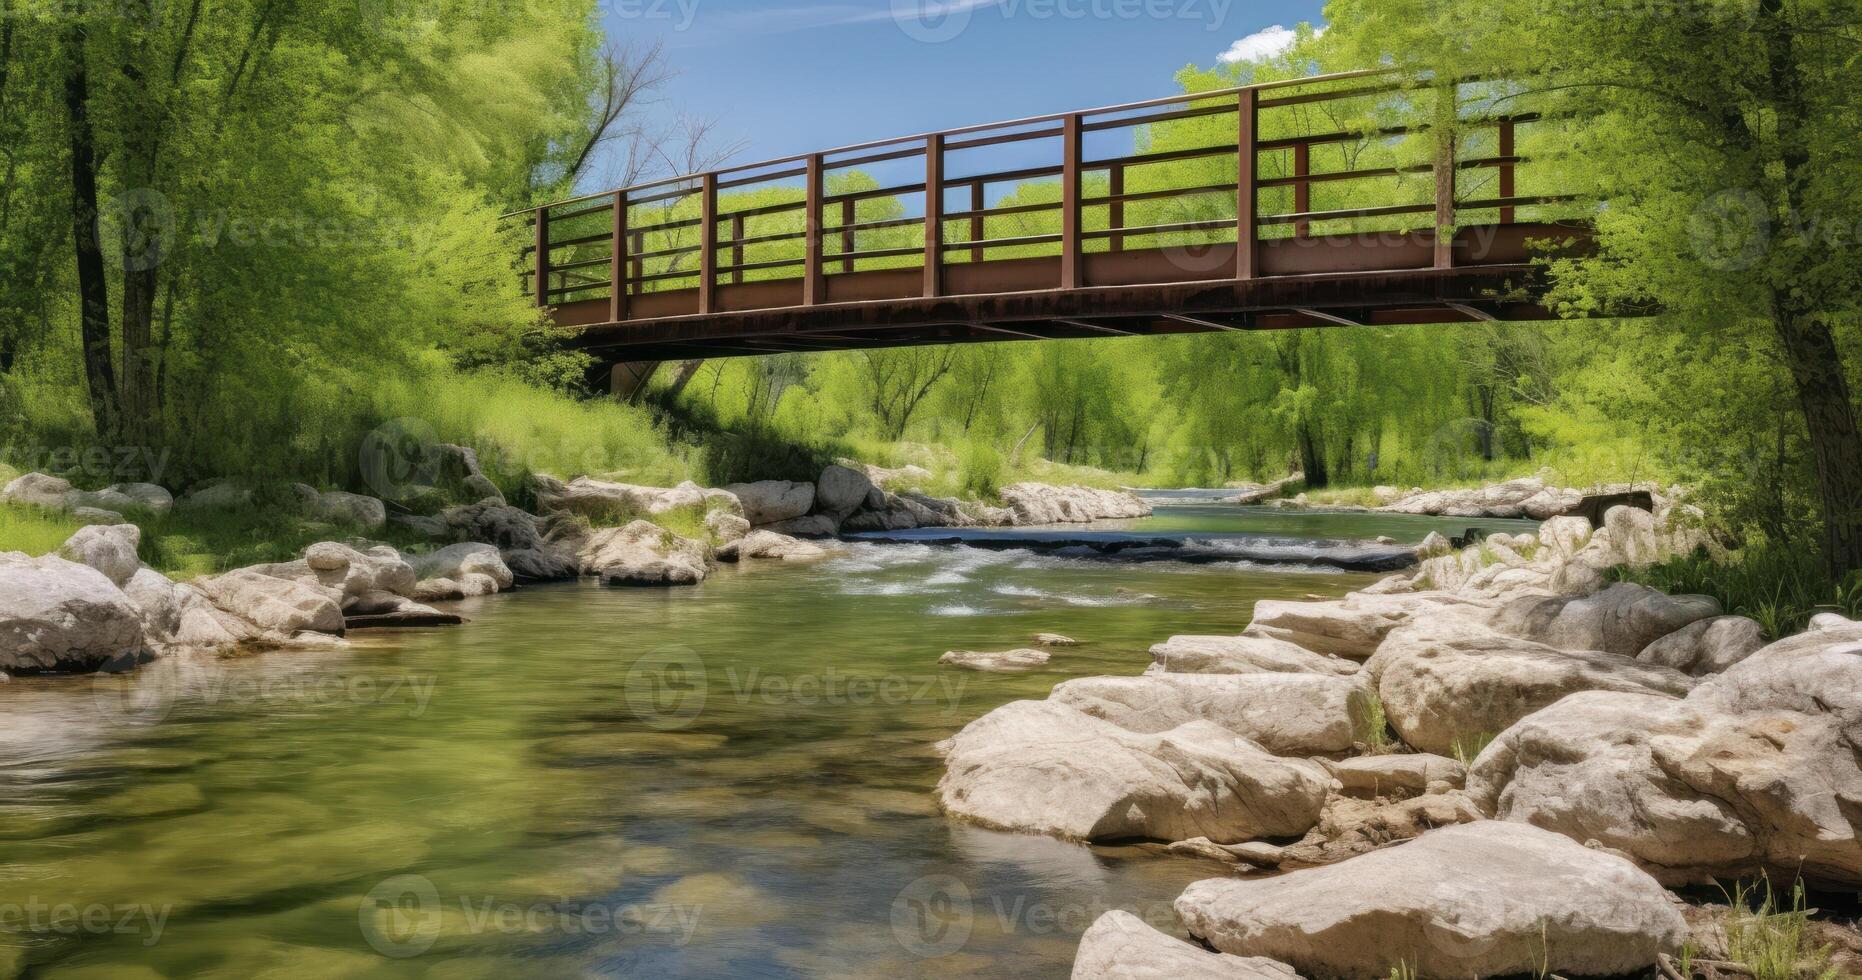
[730, 780]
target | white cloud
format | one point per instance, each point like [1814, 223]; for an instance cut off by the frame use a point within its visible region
[1265, 43]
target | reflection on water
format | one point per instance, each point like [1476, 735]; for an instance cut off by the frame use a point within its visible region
[728, 780]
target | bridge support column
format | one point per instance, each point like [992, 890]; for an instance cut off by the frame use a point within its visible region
[628, 381]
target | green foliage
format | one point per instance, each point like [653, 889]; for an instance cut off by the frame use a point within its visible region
[1773, 942]
[1378, 739]
[33, 530]
[982, 471]
[1780, 585]
[1468, 746]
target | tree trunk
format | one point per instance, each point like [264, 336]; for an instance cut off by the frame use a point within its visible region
[1835, 442]
[1312, 461]
[93, 288]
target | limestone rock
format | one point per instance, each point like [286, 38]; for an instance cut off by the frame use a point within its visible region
[276, 604]
[1706, 646]
[1120, 946]
[459, 562]
[643, 554]
[1286, 714]
[1054, 640]
[218, 495]
[1011, 661]
[1485, 899]
[122, 497]
[1043, 767]
[37, 490]
[110, 549]
[1622, 619]
[773, 501]
[1038, 503]
[812, 526]
[770, 545]
[726, 527]
[1353, 626]
[58, 616]
[1243, 655]
[1445, 680]
[840, 491]
[1386, 775]
[623, 501]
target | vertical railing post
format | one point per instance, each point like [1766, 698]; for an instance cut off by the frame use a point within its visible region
[639, 245]
[1115, 209]
[1507, 184]
[934, 214]
[848, 237]
[977, 203]
[811, 263]
[1445, 119]
[1302, 190]
[707, 242]
[737, 249]
[1247, 262]
[1070, 251]
[617, 262]
[543, 256]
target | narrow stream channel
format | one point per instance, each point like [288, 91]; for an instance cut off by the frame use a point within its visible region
[731, 780]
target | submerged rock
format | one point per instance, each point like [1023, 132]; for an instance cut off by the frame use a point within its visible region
[770, 545]
[1011, 661]
[1043, 767]
[1054, 640]
[276, 604]
[643, 554]
[1485, 899]
[1120, 946]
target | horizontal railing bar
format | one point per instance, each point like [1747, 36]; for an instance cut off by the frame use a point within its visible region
[1224, 188]
[1157, 117]
[1167, 156]
[873, 158]
[1005, 176]
[661, 253]
[917, 188]
[874, 253]
[755, 179]
[1005, 242]
[786, 236]
[661, 196]
[1478, 163]
[770, 264]
[1298, 216]
[879, 225]
[1038, 134]
[998, 212]
[1211, 225]
[758, 212]
[582, 287]
[1363, 91]
[566, 243]
[1338, 175]
[571, 216]
[665, 226]
[1516, 202]
[566, 266]
[661, 276]
[1295, 142]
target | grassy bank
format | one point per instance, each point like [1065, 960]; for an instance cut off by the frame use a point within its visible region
[1779, 586]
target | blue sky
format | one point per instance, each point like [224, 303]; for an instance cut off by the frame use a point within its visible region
[790, 76]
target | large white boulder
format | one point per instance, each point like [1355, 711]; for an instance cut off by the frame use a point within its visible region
[996, 662]
[1445, 680]
[58, 616]
[1121, 946]
[1706, 646]
[1622, 619]
[38, 490]
[479, 568]
[840, 491]
[1388, 775]
[1038, 503]
[348, 509]
[1243, 655]
[108, 548]
[1477, 900]
[603, 500]
[1355, 625]
[772, 546]
[774, 501]
[643, 554]
[1043, 767]
[123, 496]
[279, 605]
[1286, 714]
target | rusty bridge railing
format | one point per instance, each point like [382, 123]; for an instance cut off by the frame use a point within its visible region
[1203, 185]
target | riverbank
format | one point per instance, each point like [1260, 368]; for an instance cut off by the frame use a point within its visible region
[1558, 750]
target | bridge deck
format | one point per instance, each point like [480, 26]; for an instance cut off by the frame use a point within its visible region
[1316, 223]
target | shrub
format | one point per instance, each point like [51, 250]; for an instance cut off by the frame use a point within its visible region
[1468, 747]
[1772, 943]
[982, 471]
[1780, 586]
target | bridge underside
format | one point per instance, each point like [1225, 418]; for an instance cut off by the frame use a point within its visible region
[1347, 280]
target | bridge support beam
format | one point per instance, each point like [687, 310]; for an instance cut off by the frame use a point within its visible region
[627, 381]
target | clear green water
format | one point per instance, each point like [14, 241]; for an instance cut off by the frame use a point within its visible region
[732, 780]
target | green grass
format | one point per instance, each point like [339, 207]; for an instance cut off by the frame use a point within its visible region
[1468, 747]
[33, 530]
[1781, 587]
[1774, 942]
[1377, 739]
